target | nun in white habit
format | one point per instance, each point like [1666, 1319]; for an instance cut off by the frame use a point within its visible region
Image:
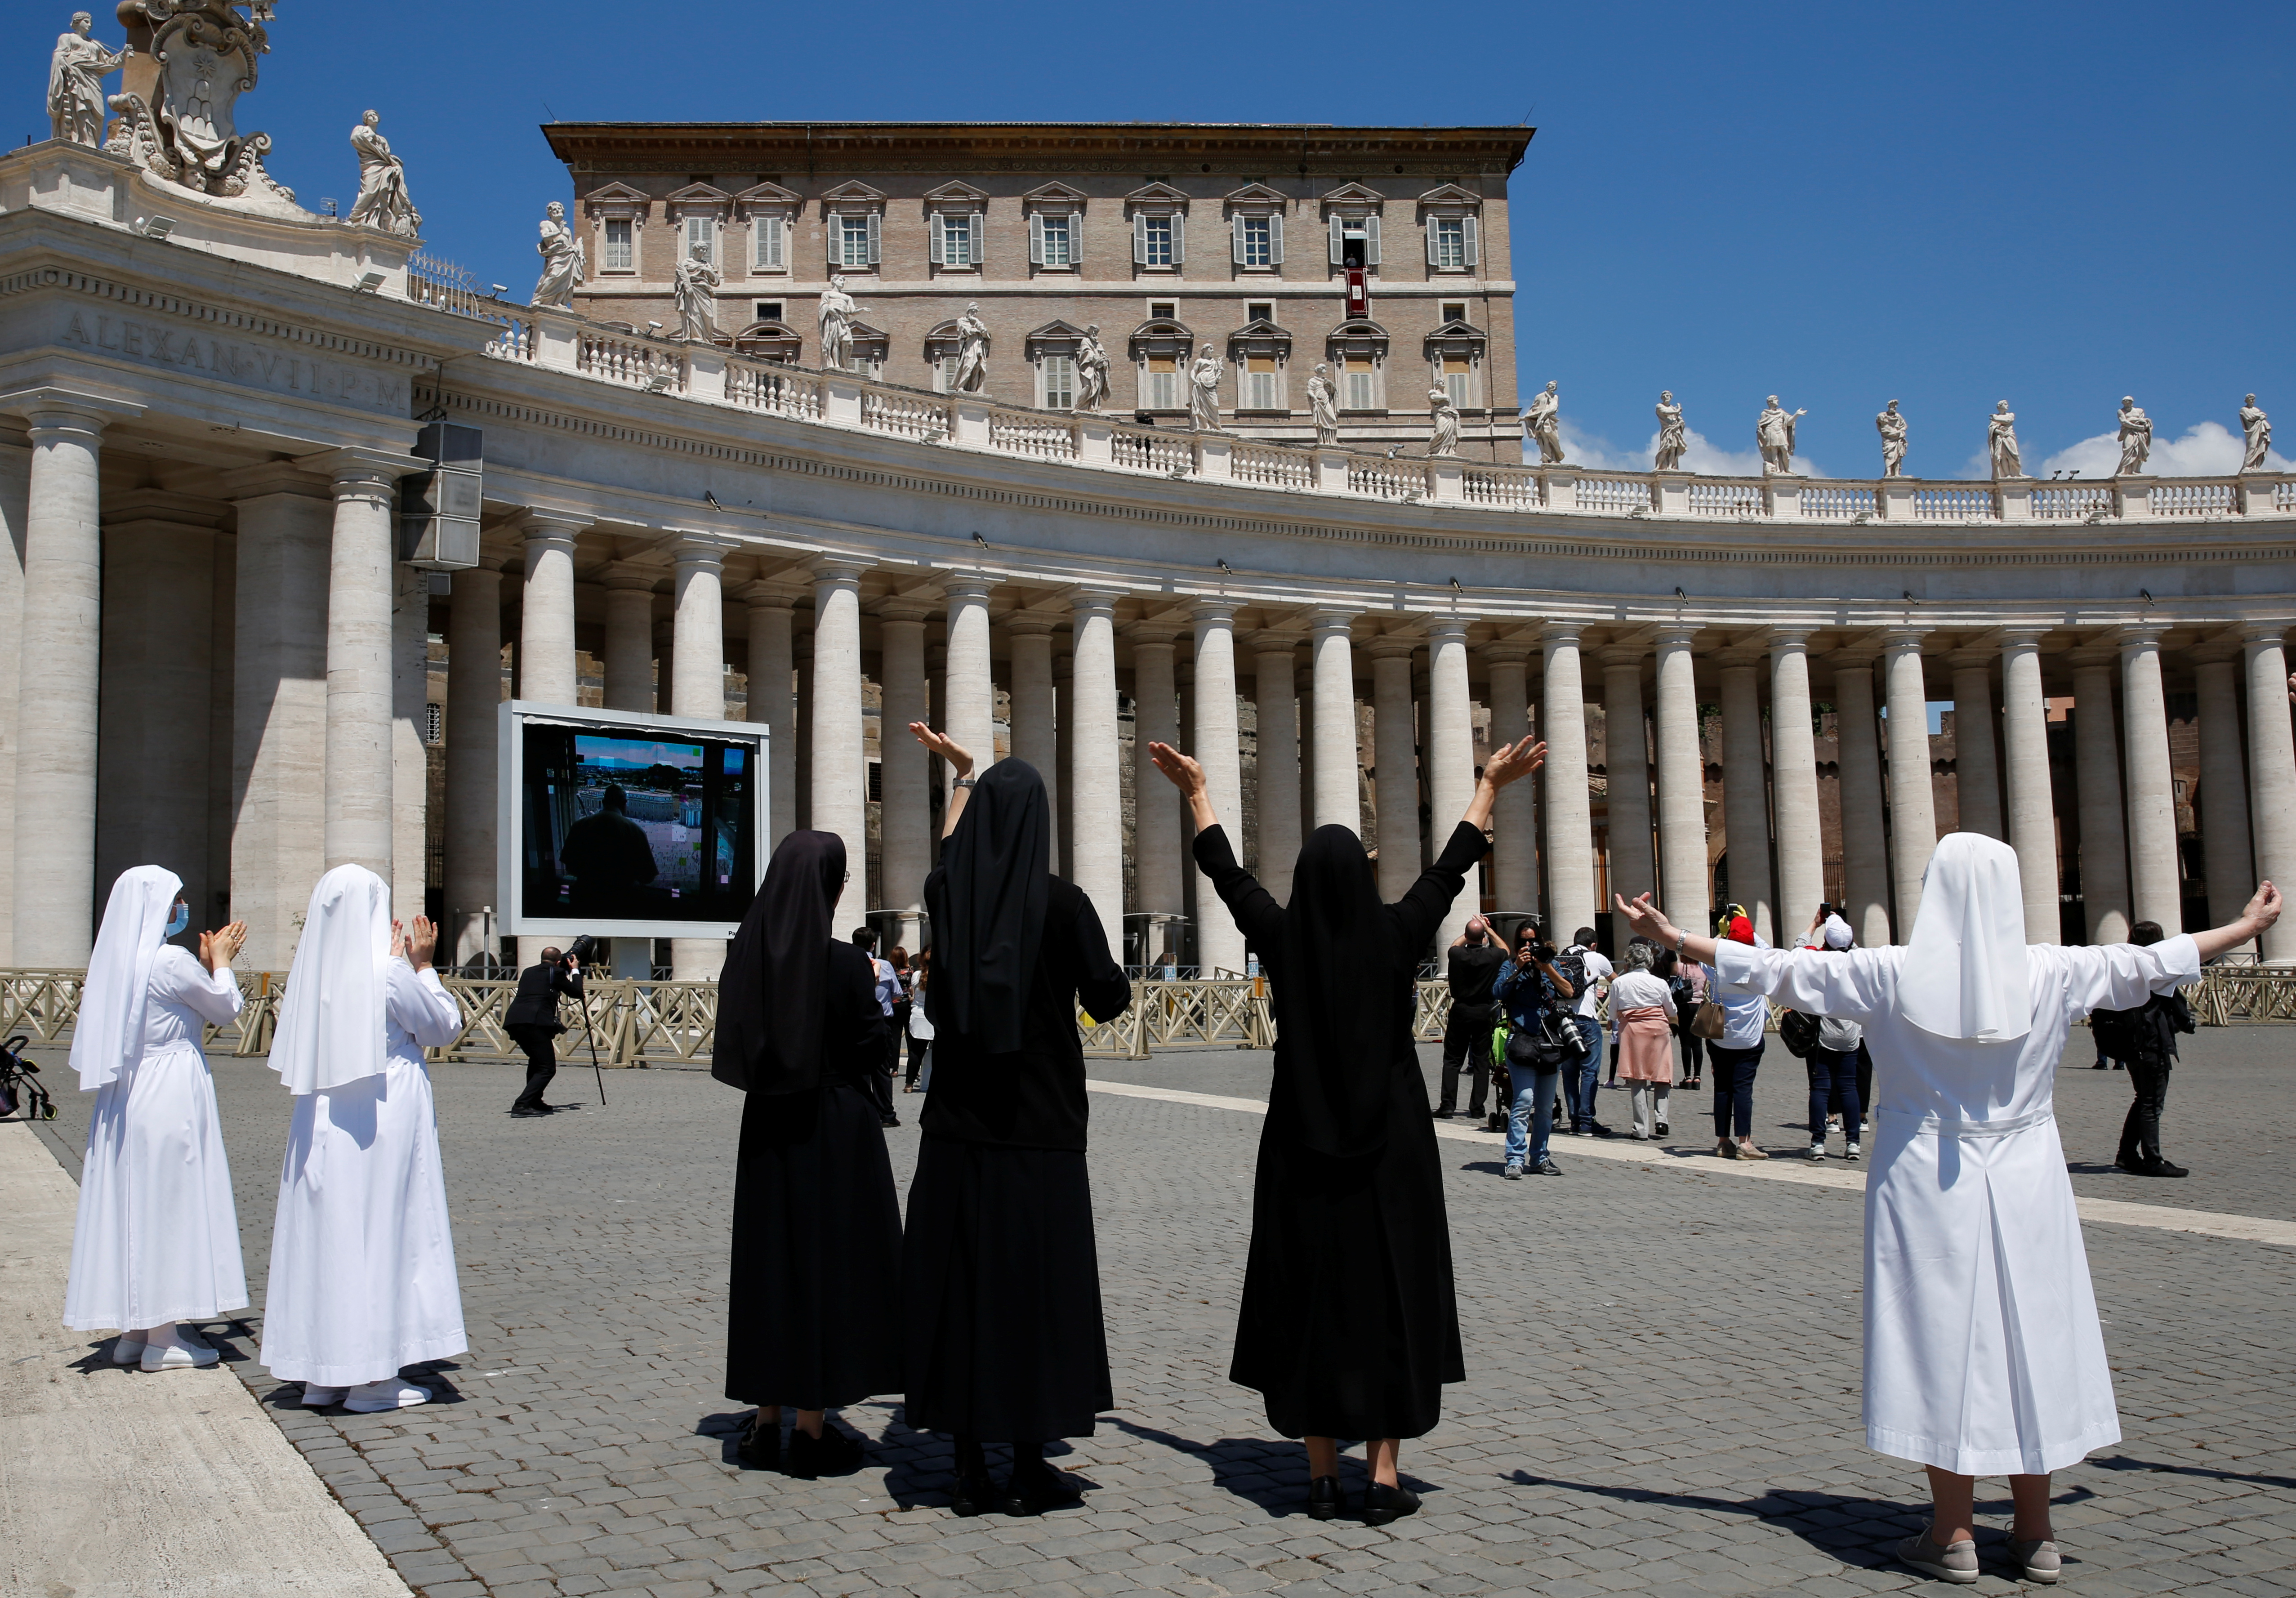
[362, 1261]
[157, 1241]
[1983, 1355]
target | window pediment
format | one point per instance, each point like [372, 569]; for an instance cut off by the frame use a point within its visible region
[871, 343]
[769, 340]
[1449, 200]
[1358, 337]
[1056, 333]
[956, 196]
[618, 201]
[1260, 336]
[1352, 198]
[1054, 197]
[852, 197]
[1256, 199]
[766, 196]
[698, 199]
[1157, 198]
[1162, 335]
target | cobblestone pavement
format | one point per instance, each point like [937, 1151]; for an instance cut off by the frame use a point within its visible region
[1661, 1394]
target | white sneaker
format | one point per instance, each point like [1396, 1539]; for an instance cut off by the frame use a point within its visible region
[1851, 1152]
[173, 1356]
[315, 1396]
[1817, 1151]
[391, 1393]
[127, 1349]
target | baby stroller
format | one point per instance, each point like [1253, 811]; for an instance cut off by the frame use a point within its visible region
[19, 1088]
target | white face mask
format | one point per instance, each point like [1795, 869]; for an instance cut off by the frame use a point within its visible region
[179, 919]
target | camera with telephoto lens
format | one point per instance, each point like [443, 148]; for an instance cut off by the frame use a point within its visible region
[583, 949]
[1543, 952]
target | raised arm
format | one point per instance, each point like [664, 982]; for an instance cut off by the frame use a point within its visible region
[960, 761]
[2262, 911]
[1187, 775]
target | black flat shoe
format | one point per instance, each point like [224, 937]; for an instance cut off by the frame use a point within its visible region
[972, 1494]
[832, 1454]
[1383, 1503]
[528, 1115]
[760, 1446]
[1036, 1487]
[1324, 1500]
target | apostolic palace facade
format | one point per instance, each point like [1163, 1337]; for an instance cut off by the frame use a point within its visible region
[223, 658]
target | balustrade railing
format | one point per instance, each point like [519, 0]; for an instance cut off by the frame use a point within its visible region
[904, 415]
[1146, 449]
[1386, 480]
[1838, 501]
[2071, 502]
[2194, 499]
[1953, 505]
[1026, 433]
[1507, 490]
[1718, 497]
[621, 358]
[780, 390]
[1271, 465]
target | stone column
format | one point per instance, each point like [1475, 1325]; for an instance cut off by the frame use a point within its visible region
[1865, 856]
[1064, 743]
[1976, 773]
[1277, 695]
[772, 702]
[279, 714]
[222, 713]
[1794, 784]
[1036, 726]
[1913, 803]
[2154, 876]
[1569, 822]
[905, 825]
[545, 610]
[971, 687]
[60, 664]
[1633, 863]
[801, 731]
[665, 667]
[473, 754]
[1095, 780]
[1156, 823]
[841, 773]
[2271, 773]
[2032, 807]
[1336, 802]
[698, 690]
[1746, 800]
[629, 637]
[1681, 784]
[2103, 852]
[1219, 941]
[2224, 792]
[359, 775]
[410, 765]
[1514, 814]
[1395, 764]
[15, 491]
[1450, 758]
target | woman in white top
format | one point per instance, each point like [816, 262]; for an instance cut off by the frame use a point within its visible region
[1833, 1088]
[1983, 1354]
[157, 1243]
[363, 1276]
[1641, 1007]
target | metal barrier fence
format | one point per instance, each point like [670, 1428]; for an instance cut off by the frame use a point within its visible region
[672, 1024]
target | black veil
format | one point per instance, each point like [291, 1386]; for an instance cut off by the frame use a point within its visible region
[770, 996]
[1342, 994]
[987, 902]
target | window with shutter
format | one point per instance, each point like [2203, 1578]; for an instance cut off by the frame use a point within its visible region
[1459, 381]
[1179, 238]
[1468, 223]
[1161, 389]
[1371, 240]
[874, 248]
[1059, 383]
[937, 234]
[699, 232]
[1139, 240]
[1036, 240]
[1363, 383]
[1446, 243]
[619, 255]
[1275, 240]
[1338, 257]
[766, 233]
[1235, 239]
[1059, 249]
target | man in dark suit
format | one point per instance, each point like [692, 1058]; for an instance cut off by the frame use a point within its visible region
[533, 1024]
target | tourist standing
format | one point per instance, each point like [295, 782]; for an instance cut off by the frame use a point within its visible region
[1983, 1353]
[1588, 972]
[1532, 989]
[886, 981]
[1347, 1326]
[1835, 1088]
[363, 1279]
[1641, 1009]
[813, 1302]
[532, 1022]
[2145, 1038]
[919, 1027]
[1474, 962]
[1737, 1055]
[1000, 1282]
[157, 1240]
[1685, 980]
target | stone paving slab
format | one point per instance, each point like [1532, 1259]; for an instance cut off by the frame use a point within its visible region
[1662, 1393]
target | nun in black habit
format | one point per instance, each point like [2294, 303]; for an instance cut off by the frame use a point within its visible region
[1347, 1327]
[812, 1305]
[1000, 1283]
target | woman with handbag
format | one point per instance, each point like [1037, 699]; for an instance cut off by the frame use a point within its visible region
[1641, 1008]
[1541, 1041]
[1685, 980]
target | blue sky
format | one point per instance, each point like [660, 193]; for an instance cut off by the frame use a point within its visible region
[1944, 204]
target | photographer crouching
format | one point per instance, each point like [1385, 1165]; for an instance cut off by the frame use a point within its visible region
[532, 1020]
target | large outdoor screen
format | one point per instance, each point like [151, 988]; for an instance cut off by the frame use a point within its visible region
[634, 826]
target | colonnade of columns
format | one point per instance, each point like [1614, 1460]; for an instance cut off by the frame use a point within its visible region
[308, 664]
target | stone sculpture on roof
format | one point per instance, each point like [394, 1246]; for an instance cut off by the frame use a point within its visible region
[694, 287]
[2256, 430]
[1774, 435]
[1443, 423]
[2001, 443]
[1892, 425]
[972, 352]
[1203, 391]
[1543, 422]
[75, 75]
[1673, 437]
[565, 263]
[2135, 436]
[382, 199]
[205, 52]
[836, 317]
[1092, 371]
[1323, 404]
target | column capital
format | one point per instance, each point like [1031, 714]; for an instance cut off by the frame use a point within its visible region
[1153, 632]
[2094, 657]
[904, 607]
[1677, 634]
[1560, 635]
[827, 568]
[543, 521]
[2261, 630]
[1790, 635]
[2138, 634]
[1898, 640]
[1323, 622]
[2019, 639]
[963, 586]
[1277, 641]
[1093, 601]
[1393, 646]
[1032, 624]
[358, 473]
[1449, 626]
[48, 408]
[1623, 654]
[1859, 656]
[1212, 611]
[701, 549]
[1509, 651]
[269, 477]
[627, 576]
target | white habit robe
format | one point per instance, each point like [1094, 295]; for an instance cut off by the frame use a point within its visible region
[362, 1258]
[1983, 1355]
[158, 1236]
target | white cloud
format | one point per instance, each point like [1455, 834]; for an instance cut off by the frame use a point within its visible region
[2208, 450]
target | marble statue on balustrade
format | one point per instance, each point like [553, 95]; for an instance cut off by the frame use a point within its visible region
[1091, 370]
[836, 317]
[693, 287]
[1443, 424]
[1774, 434]
[2256, 430]
[1673, 437]
[565, 263]
[1203, 391]
[972, 352]
[2001, 443]
[2135, 436]
[382, 199]
[1323, 404]
[1892, 425]
[1543, 422]
[206, 55]
[75, 75]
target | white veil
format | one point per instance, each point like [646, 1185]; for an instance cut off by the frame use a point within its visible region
[331, 1027]
[1965, 970]
[109, 1035]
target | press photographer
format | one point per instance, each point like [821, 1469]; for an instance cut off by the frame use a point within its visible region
[532, 1020]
